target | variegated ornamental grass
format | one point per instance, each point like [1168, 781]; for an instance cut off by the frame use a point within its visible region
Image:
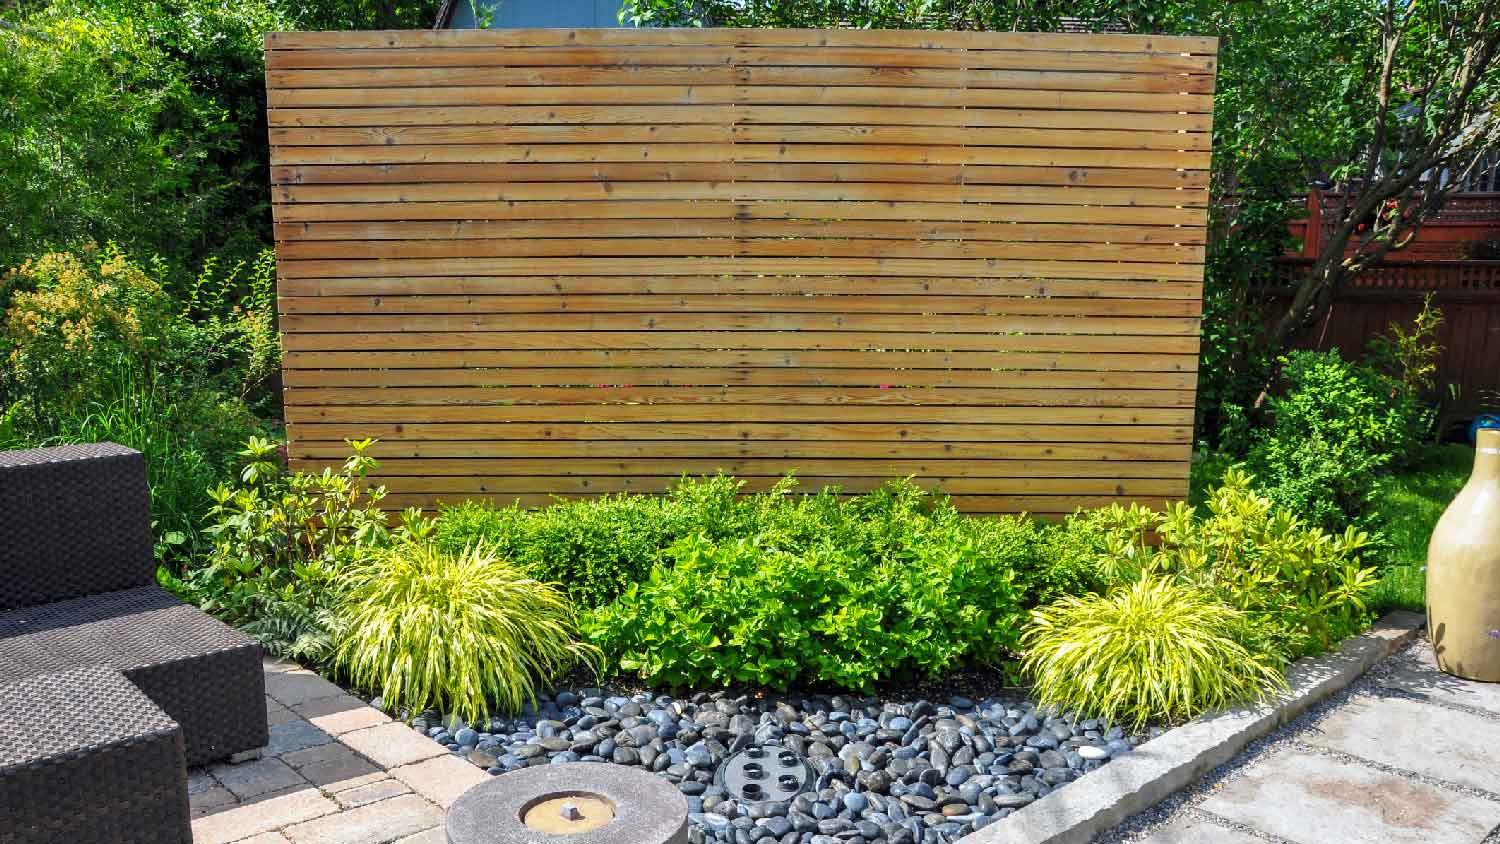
[464, 633]
[1149, 650]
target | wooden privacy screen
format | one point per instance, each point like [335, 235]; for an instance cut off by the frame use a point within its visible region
[577, 262]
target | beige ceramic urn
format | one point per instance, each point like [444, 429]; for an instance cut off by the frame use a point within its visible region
[1463, 572]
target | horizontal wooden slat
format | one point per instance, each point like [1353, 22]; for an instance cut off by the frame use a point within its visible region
[722, 74]
[578, 304]
[378, 151]
[495, 38]
[754, 321]
[603, 358]
[658, 339]
[633, 209]
[762, 376]
[938, 268]
[384, 95]
[459, 439]
[801, 191]
[656, 484]
[653, 55]
[882, 115]
[1046, 507]
[750, 247]
[580, 262]
[427, 230]
[611, 394]
[785, 285]
[637, 171]
[900, 414]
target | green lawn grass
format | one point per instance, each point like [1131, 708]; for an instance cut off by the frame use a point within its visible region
[1410, 504]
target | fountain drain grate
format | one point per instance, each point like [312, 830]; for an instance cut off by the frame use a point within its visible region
[764, 774]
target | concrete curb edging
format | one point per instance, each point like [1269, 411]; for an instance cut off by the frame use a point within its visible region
[1152, 772]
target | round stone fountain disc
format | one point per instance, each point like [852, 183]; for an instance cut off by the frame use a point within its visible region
[644, 808]
[569, 815]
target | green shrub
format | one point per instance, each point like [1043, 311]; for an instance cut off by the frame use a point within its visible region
[594, 549]
[280, 545]
[1332, 429]
[1302, 589]
[72, 321]
[1154, 649]
[747, 611]
[597, 548]
[461, 632]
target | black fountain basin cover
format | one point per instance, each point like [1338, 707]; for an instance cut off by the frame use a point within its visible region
[764, 774]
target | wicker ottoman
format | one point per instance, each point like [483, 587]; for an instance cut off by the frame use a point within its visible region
[85, 757]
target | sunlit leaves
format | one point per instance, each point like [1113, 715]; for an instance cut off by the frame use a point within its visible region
[1151, 650]
[460, 632]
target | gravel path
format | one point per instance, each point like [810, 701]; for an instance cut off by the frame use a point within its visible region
[1403, 754]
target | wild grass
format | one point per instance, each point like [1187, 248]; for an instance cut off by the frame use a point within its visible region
[188, 440]
[1409, 505]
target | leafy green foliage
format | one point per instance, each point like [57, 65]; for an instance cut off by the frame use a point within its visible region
[142, 122]
[594, 549]
[778, 589]
[1152, 649]
[1301, 588]
[280, 544]
[458, 632]
[1330, 432]
[92, 349]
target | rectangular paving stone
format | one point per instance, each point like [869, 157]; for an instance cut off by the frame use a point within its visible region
[199, 780]
[441, 779]
[266, 838]
[329, 766]
[261, 815]
[1313, 799]
[294, 735]
[1415, 672]
[375, 823]
[393, 744]
[278, 714]
[295, 687]
[211, 799]
[342, 714]
[1197, 831]
[436, 835]
[252, 779]
[1441, 743]
[371, 792]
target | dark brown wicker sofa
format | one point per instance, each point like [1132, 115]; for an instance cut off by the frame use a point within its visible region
[78, 588]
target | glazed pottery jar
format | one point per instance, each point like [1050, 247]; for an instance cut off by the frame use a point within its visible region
[1463, 572]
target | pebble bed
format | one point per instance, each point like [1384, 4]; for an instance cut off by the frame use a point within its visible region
[901, 773]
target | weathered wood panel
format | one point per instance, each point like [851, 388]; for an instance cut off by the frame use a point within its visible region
[579, 262]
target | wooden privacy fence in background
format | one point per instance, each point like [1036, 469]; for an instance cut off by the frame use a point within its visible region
[542, 262]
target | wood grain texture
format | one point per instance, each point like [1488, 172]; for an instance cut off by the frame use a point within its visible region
[583, 262]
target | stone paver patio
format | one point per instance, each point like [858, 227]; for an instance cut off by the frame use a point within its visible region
[336, 772]
[1411, 756]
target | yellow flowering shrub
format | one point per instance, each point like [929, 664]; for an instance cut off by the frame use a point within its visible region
[73, 318]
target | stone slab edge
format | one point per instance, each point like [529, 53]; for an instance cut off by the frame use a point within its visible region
[1133, 783]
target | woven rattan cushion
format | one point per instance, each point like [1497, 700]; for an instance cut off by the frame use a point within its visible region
[75, 520]
[74, 712]
[125, 630]
[203, 673]
[86, 757]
